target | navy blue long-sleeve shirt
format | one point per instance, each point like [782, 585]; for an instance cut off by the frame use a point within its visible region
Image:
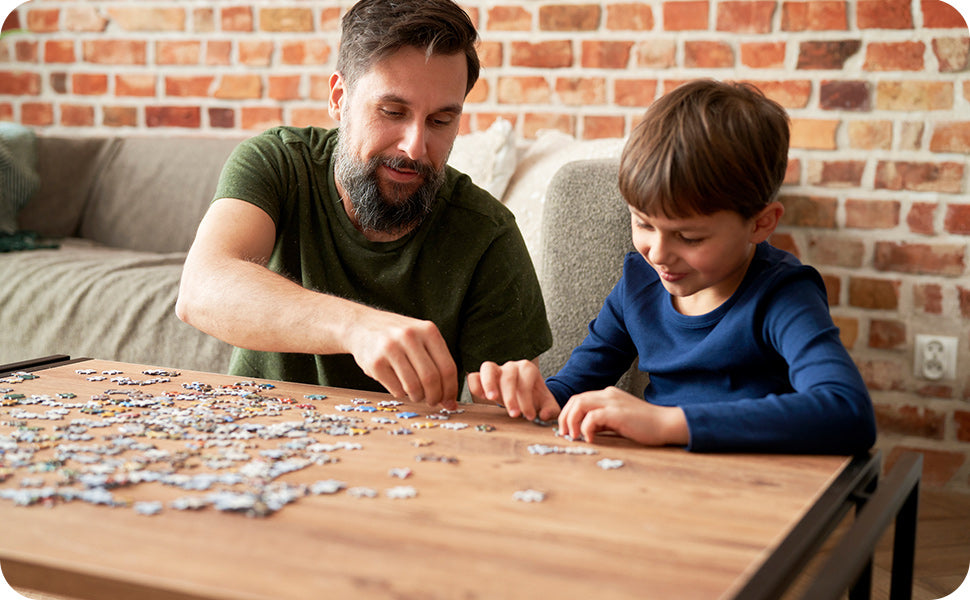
[765, 371]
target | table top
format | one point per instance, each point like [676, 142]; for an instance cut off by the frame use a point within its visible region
[667, 523]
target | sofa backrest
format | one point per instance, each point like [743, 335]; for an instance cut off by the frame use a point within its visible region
[141, 193]
[585, 235]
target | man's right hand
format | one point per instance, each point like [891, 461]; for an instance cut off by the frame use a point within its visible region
[407, 356]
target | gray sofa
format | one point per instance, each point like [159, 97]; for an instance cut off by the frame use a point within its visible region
[125, 211]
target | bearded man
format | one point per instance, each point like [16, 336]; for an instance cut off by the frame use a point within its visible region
[355, 257]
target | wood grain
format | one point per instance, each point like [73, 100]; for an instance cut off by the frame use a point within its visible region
[667, 524]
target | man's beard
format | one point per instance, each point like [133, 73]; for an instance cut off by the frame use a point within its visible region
[398, 211]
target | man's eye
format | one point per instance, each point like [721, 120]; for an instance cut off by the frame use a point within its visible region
[393, 114]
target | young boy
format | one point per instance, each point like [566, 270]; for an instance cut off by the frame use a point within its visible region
[735, 334]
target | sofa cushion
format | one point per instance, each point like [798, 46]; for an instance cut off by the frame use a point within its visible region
[66, 168]
[151, 193]
[88, 300]
[18, 173]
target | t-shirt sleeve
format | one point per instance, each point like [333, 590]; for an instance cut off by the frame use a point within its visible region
[254, 172]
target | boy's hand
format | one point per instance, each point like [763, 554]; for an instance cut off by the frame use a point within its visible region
[613, 409]
[516, 385]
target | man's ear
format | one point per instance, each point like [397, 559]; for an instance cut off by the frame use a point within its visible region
[766, 221]
[337, 93]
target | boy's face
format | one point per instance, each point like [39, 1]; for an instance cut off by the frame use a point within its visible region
[701, 260]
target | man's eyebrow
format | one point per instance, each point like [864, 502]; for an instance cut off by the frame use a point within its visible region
[395, 99]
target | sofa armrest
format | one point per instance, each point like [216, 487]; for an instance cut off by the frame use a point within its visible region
[585, 235]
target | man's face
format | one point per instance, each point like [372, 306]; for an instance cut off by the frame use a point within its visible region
[397, 127]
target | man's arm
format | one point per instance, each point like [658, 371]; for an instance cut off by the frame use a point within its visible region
[227, 292]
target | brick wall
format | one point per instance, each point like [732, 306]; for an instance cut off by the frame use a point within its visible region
[878, 91]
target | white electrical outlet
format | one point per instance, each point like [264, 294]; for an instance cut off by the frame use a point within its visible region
[935, 357]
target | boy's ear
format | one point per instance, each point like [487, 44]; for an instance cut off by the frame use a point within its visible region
[766, 221]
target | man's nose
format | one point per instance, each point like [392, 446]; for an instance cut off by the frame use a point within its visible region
[414, 141]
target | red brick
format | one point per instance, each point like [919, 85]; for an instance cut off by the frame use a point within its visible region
[634, 92]
[914, 95]
[218, 52]
[6, 111]
[745, 16]
[963, 296]
[84, 18]
[569, 17]
[203, 20]
[876, 294]
[239, 87]
[836, 250]
[606, 55]
[19, 83]
[944, 177]
[939, 466]
[809, 211]
[37, 113]
[509, 18]
[814, 134]
[320, 87]
[261, 117]
[848, 330]
[330, 18]
[305, 52]
[11, 23]
[887, 334]
[603, 127]
[921, 216]
[285, 19]
[844, 95]
[255, 53]
[923, 259]
[523, 90]
[792, 93]
[479, 92]
[89, 84]
[188, 85]
[533, 123]
[656, 54]
[814, 16]
[941, 14]
[173, 116]
[956, 220]
[283, 87]
[551, 54]
[58, 82]
[884, 14]
[115, 52]
[785, 241]
[635, 16]
[894, 56]
[222, 118]
[952, 54]
[26, 51]
[119, 116]
[580, 91]
[870, 135]
[137, 84]
[684, 16]
[708, 55]
[962, 419]
[236, 18]
[871, 214]
[911, 135]
[59, 51]
[883, 375]
[910, 420]
[45, 20]
[137, 18]
[76, 115]
[951, 137]
[763, 55]
[928, 298]
[305, 117]
[837, 173]
[830, 54]
[181, 52]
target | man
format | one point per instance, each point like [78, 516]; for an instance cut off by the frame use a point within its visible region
[354, 257]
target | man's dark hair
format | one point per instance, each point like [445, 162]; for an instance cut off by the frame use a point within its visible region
[373, 29]
[704, 147]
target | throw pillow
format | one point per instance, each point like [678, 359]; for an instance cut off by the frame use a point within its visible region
[488, 157]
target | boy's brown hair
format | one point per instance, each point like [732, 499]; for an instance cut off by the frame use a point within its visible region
[705, 147]
[373, 29]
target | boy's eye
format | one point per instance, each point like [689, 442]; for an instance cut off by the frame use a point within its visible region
[690, 240]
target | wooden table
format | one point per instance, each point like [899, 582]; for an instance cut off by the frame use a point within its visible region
[667, 524]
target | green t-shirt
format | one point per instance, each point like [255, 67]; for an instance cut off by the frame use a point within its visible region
[466, 267]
